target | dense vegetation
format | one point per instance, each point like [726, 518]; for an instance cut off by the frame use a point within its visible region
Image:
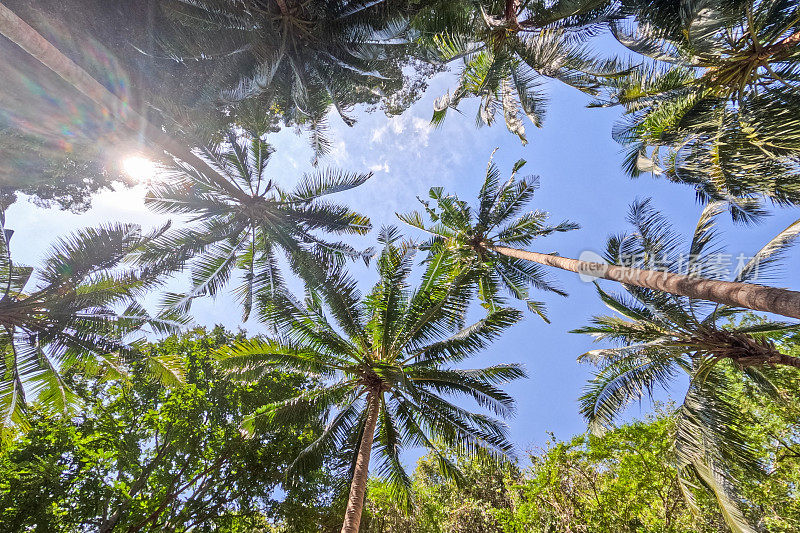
[104, 427]
[133, 458]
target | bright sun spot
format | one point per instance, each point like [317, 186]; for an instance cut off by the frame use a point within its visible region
[139, 168]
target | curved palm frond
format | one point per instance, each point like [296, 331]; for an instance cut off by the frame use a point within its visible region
[73, 316]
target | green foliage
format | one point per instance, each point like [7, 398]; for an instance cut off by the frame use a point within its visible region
[244, 227]
[143, 457]
[302, 57]
[714, 104]
[198, 432]
[624, 481]
[397, 344]
[75, 314]
[661, 336]
[509, 49]
[466, 235]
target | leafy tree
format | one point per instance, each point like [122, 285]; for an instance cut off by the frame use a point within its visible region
[485, 239]
[510, 48]
[49, 175]
[717, 106]
[144, 457]
[228, 233]
[661, 336]
[774, 434]
[386, 371]
[72, 314]
[623, 481]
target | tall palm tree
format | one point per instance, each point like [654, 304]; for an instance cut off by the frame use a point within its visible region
[662, 336]
[385, 361]
[485, 238]
[72, 315]
[716, 103]
[510, 48]
[225, 233]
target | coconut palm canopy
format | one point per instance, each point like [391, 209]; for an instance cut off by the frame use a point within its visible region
[248, 231]
[236, 226]
[466, 234]
[74, 314]
[507, 50]
[714, 104]
[389, 359]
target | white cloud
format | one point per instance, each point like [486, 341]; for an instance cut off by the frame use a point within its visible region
[415, 129]
[380, 167]
[422, 128]
[338, 154]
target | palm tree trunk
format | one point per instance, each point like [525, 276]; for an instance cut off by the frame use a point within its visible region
[27, 38]
[784, 46]
[358, 488]
[510, 13]
[749, 295]
[283, 7]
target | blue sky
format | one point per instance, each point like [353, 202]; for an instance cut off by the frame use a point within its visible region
[579, 166]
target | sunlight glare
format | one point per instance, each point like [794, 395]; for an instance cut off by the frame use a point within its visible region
[139, 168]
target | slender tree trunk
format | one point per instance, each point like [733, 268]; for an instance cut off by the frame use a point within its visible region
[27, 38]
[783, 46]
[283, 7]
[757, 297]
[510, 14]
[355, 503]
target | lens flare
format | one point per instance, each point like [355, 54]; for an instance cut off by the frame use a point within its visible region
[139, 168]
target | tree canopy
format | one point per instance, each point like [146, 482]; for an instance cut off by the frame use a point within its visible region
[119, 414]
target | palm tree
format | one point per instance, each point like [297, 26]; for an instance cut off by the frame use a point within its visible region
[458, 231]
[509, 49]
[385, 361]
[662, 336]
[72, 316]
[716, 104]
[304, 56]
[225, 233]
[486, 237]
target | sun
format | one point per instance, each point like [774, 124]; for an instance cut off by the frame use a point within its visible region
[139, 168]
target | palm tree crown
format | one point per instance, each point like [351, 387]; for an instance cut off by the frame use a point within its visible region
[468, 235]
[71, 315]
[301, 56]
[716, 104]
[385, 359]
[248, 230]
[510, 48]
